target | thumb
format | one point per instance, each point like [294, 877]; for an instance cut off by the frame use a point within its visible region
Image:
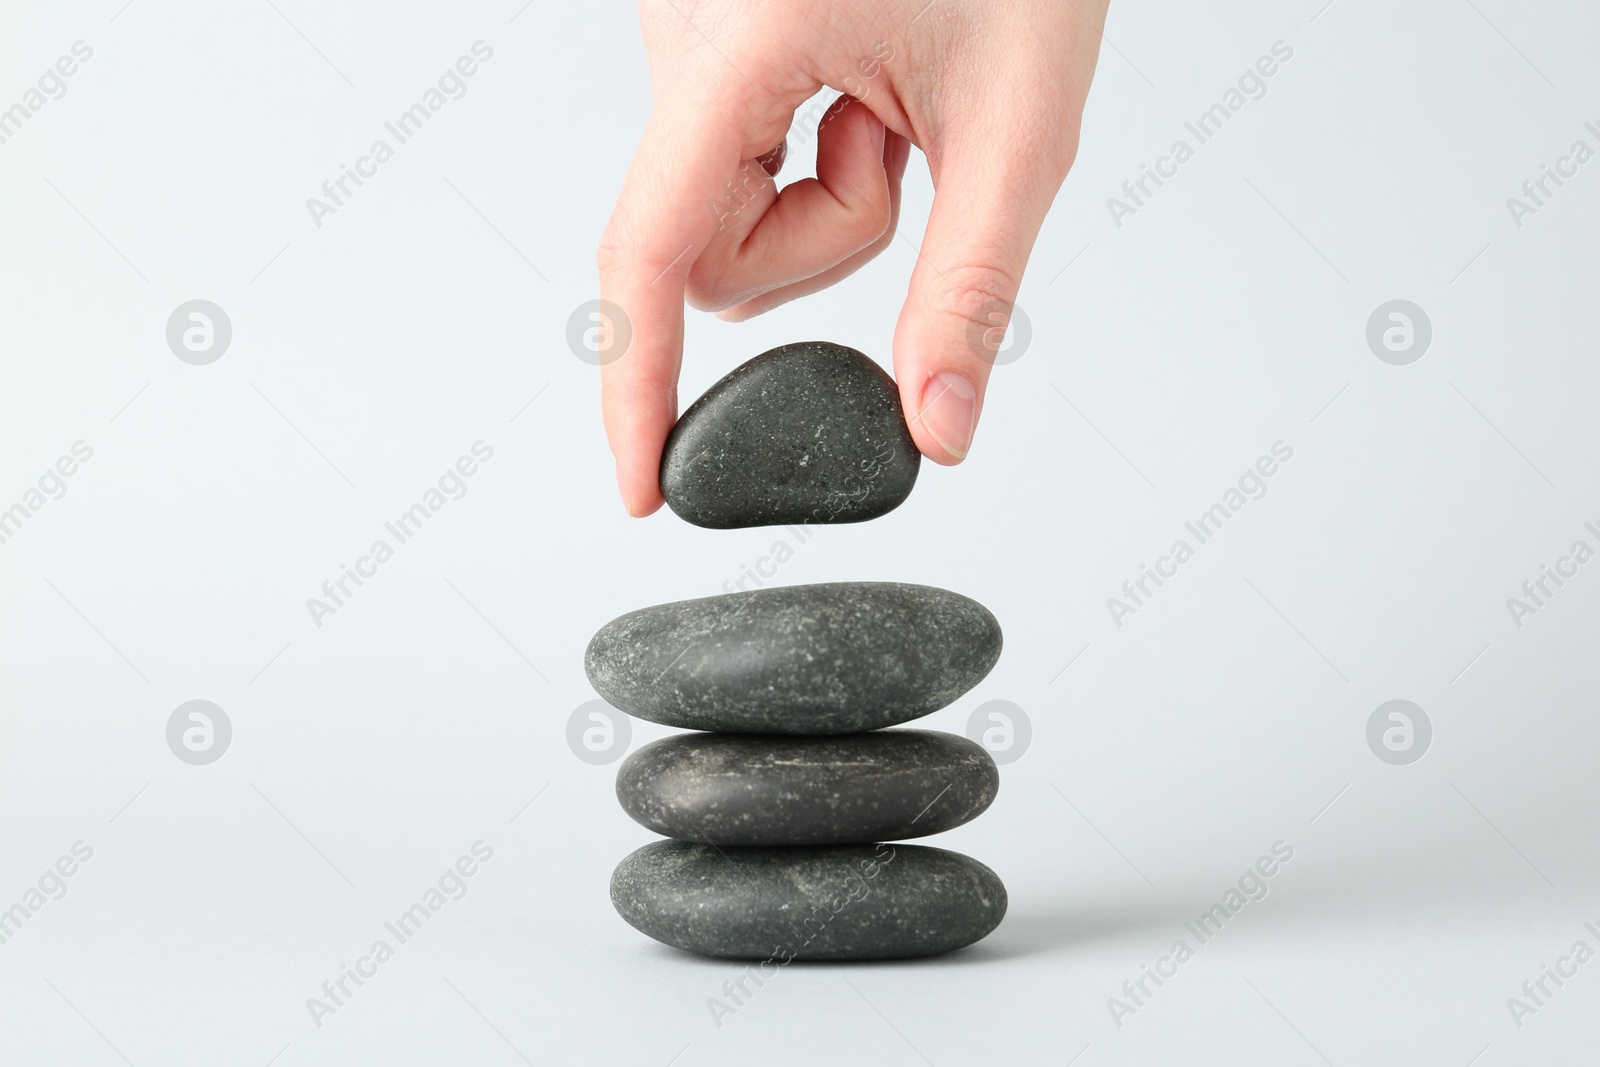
[986, 215]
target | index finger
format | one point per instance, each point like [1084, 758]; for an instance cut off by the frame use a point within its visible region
[662, 221]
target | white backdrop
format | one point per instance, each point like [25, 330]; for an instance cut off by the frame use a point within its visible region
[1171, 347]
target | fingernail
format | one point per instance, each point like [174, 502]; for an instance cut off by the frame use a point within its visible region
[875, 134]
[949, 411]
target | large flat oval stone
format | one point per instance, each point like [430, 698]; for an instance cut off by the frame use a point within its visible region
[844, 902]
[744, 789]
[805, 433]
[836, 658]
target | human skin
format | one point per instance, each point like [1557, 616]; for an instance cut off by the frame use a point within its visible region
[991, 91]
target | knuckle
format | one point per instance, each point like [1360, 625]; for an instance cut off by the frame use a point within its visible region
[973, 293]
[708, 289]
[867, 226]
[1062, 153]
[617, 258]
[879, 246]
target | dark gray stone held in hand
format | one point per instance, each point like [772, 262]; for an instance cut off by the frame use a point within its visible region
[845, 902]
[752, 789]
[809, 432]
[836, 658]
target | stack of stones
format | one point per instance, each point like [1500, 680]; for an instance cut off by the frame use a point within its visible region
[780, 809]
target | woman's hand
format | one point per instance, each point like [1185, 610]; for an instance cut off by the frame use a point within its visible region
[992, 91]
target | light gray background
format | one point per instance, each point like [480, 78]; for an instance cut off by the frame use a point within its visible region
[1168, 354]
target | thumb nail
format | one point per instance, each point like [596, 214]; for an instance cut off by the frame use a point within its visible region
[949, 411]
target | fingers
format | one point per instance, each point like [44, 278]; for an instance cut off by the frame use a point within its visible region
[987, 210]
[660, 224]
[812, 226]
[896, 153]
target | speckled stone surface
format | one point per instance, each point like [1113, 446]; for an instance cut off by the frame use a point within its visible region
[744, 789]
[845, 902]
[836, 658]
[806, 433]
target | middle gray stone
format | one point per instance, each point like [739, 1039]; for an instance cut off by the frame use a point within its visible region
[732, 789]
[836, 658]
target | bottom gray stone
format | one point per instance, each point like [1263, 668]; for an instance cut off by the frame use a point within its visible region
[833, 902]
